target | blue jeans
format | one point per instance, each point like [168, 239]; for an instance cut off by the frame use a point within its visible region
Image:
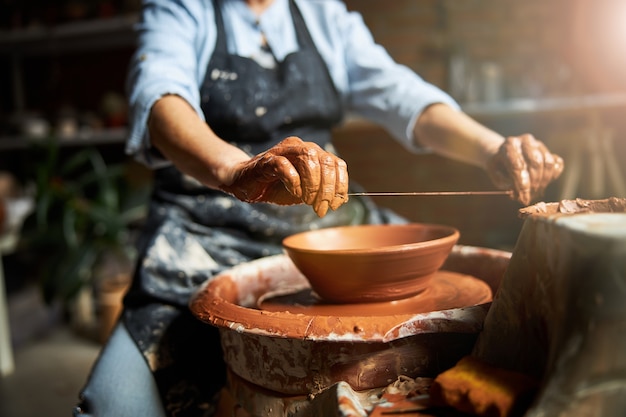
[120, 383]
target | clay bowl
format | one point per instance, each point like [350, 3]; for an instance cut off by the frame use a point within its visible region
[370, 263]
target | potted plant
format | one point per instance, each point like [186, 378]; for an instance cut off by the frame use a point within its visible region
[85, 214]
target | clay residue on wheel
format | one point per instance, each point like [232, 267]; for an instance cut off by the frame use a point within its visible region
[576, 206]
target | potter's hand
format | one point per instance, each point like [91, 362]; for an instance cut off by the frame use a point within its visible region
[292, 172]
[524, 165]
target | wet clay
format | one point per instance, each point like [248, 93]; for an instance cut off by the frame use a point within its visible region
[231, 300]
[609, 205]
[446, 290]
[370, 263]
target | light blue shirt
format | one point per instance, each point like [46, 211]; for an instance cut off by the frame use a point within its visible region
[177, 38]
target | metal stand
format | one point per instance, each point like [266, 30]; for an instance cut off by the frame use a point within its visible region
[7, 365]
[8, 241]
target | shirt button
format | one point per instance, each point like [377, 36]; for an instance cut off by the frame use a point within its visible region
[260, 111]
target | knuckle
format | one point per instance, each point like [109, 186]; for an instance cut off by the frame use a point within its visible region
[311, 152]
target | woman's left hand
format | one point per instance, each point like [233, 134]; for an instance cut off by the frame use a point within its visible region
[524, 165]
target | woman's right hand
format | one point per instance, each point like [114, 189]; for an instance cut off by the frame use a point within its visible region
[292, 172]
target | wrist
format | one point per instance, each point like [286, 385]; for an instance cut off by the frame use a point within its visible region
[454, 134]
[227, 172]
[488, 146]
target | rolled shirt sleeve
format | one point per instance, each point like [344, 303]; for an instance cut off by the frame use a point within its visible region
[171, 35]
[381, 90]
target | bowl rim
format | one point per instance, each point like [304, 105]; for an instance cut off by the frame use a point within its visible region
[453, 235]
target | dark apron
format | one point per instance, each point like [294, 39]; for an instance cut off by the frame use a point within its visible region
[193, 233]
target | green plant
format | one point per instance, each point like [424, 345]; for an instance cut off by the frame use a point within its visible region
[85, 212]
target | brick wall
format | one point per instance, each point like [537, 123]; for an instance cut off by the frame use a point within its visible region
[412, 31]
[542, 46]
[538, 53]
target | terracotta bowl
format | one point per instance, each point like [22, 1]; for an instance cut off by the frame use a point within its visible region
[369, 263]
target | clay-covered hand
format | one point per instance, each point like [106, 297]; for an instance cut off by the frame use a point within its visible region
[293, 172]
[524, 165]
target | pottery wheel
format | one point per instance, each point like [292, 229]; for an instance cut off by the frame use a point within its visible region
[270, 297]
[446, 290]
[306, 346]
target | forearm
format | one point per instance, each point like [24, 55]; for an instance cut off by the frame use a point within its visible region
[190, 144]
[455, 135]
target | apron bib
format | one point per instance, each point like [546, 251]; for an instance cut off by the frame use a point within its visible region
[256, 107]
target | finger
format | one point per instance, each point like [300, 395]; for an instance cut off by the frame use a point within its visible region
[283, 158]
[309, 168]
[341, 184]
[535, 153]
[553, 164]
[326, 190]
[517, 169]
[278, 168]
[559, 165]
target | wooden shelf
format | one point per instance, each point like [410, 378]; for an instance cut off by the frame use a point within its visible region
[525, 106]
[79, 37]
[82, 36]
[103, 137]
